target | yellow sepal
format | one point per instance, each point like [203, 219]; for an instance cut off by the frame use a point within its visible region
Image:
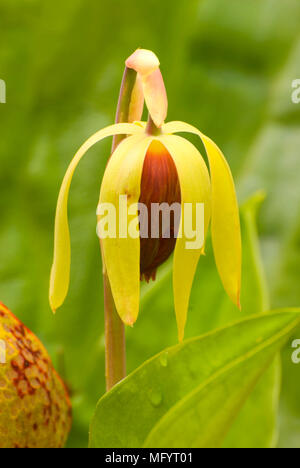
[60, 272]
[226, 235]
[195, 189]
[121, 252]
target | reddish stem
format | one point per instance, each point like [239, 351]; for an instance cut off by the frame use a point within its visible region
[115, 344]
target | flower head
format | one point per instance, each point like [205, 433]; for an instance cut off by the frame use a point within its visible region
[154, 165]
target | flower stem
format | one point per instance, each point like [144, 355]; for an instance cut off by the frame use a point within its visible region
[115, 345]
[151, 128]
[122, 114]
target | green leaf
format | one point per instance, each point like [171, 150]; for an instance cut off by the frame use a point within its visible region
[198, 385]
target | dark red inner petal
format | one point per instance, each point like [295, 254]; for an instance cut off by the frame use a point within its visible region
[159, 184]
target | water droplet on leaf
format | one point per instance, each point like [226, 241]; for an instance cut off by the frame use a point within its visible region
[155, 396]
[164, 360]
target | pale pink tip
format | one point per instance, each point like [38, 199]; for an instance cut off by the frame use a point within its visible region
[143, 61]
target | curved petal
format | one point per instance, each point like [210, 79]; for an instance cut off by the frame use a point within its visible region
[155, 96]
[226, 234]
[146, 64]
[195, 188]
[60, 272]
[121, 251]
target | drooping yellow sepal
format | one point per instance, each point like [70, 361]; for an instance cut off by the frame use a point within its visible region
[120, 192]
[226, 234]
[60, 272]
[195, 190]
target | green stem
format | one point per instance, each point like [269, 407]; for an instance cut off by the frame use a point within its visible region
[115, 344]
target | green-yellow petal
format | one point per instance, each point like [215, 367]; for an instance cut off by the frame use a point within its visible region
[122, 252]
[195, 188]
[60, 272]
[226, 234]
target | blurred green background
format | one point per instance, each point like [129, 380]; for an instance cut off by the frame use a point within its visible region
[228, 67]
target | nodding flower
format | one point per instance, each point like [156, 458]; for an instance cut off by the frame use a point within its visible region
[152, 164]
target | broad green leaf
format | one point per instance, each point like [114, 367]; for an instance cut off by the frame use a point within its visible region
[256, 425]
[199, 385]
